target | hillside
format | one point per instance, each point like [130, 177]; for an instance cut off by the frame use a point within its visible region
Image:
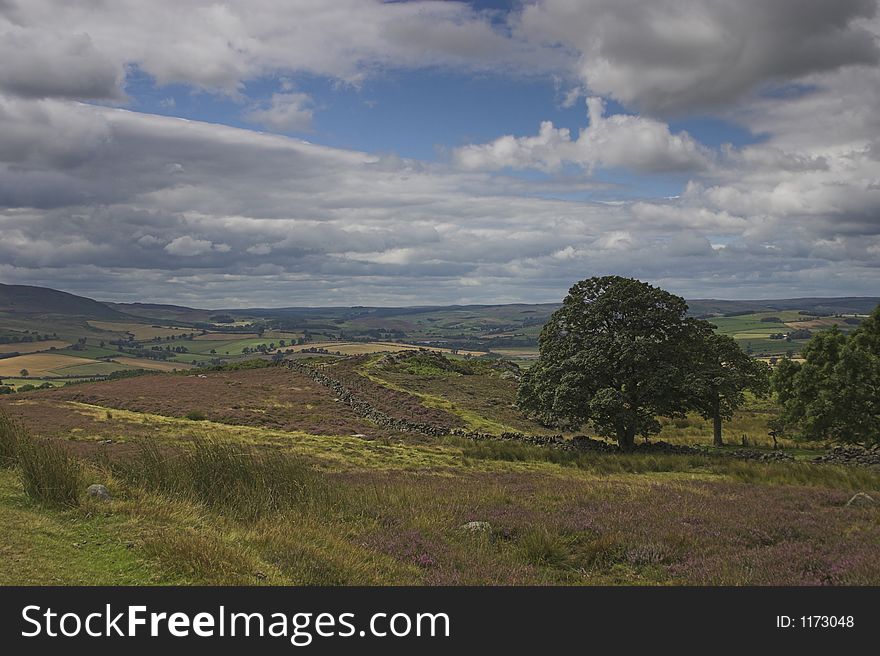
[29, 300]
[818, 306]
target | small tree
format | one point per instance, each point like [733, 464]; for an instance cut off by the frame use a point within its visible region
[24, 373]
[721, 374]
[615, 355]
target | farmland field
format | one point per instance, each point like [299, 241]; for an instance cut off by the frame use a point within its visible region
[140, 331]
[156, 365]
[361, 348]
[54, 382]
[40, 364]
[33, 347]
[226, 337]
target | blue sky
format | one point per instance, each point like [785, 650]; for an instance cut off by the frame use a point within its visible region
[418, 114]
[425, 114]
[366, 152]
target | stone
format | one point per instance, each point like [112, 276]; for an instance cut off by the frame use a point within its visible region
[477, 527]
[99, 492]
[861, 499]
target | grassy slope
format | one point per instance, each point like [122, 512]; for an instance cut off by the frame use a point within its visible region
[577, 522]
[383, 511]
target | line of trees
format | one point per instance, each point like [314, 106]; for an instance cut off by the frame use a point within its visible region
[621, 353]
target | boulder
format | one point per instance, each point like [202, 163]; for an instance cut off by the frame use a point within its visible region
[99, 492]
[477, 527]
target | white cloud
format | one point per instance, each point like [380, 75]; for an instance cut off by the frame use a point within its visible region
[285, 112]
[681, 55]
[621, 140]
[109, 202]
[186, 246]
[250, 218]
[73, 50]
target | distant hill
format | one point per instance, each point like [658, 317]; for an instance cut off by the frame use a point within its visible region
[819, 306]
[170, 313]
[28, 300]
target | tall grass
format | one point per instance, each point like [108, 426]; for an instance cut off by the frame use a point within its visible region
[11, 433]
[49, 474]
[230, 478]
[850, 478]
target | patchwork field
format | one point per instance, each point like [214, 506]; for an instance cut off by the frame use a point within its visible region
[226, 337]
[33, 347]
[41, 364]
[156, 365]
[140, 331]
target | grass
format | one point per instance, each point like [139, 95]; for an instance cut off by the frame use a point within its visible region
[225, 476]
[49, 546]
[185, 515]
[202, 502]
[11, 433]
[474, 420]
[49, 474]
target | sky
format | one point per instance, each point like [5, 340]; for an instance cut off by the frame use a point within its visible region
[356, 152]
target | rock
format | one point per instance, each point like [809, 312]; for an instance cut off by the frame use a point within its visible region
[861, 499]
[99, 492]
[477, 527]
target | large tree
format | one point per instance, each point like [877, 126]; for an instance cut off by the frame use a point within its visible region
[721, 373]
[834, 394]
[617, 355]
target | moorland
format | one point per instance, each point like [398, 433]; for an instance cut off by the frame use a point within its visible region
[372, 446]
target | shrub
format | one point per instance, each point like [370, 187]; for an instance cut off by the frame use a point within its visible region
[541, 546]
[196, 415]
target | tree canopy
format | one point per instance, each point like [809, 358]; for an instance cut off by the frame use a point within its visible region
[619, 353]
[615, 355]
[721, 372]
[834, 394]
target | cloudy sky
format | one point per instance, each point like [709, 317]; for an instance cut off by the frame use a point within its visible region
[358, 152]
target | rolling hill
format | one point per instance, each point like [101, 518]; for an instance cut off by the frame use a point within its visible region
[21, 300]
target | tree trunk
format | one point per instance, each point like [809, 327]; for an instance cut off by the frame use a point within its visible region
[626, 438]
[716, 428]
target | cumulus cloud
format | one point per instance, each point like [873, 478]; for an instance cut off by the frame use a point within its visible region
[214, 215]
[286, 112]
[186, 246]
[117, 204]
[669, 56]
[40, 63]
[621, 140]
[73, 50]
